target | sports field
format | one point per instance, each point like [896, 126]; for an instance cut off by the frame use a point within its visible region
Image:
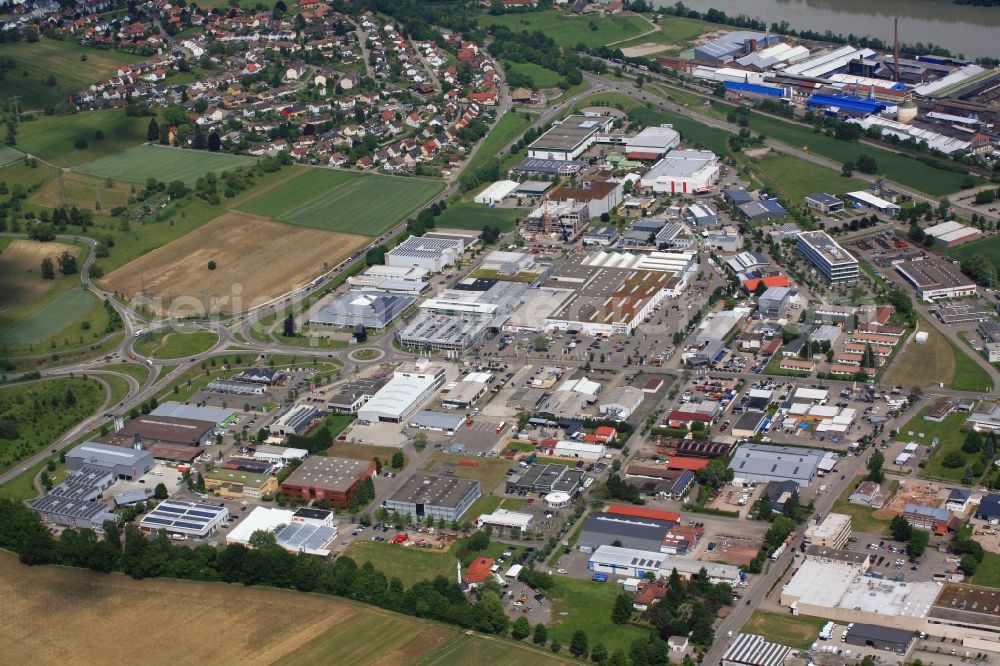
[345, 201]
[137, 164]
[52, 138]
[183, 622]
[255, 260]
[569, 30]
[54, 70]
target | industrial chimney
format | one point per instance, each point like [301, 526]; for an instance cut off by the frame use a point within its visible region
[895, 49]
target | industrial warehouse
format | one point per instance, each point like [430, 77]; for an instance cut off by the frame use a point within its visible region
[429, 495]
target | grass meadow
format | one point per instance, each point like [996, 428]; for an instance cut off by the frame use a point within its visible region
[343, 201]
[136, 165]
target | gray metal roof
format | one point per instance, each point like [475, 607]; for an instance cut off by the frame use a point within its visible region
[372, 309]
[76, 498]
[177, 410]
[105, 455]
[430, 419]
[874, 632]
[624, 527]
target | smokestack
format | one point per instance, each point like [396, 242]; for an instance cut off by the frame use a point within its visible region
[895, 49]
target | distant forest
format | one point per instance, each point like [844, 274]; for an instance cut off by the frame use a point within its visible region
[978, 3]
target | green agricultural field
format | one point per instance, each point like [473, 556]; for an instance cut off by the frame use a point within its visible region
[64, 402]
[410, 564]
[9, 155]
[508, 129]
[541, 77]
[46, 72]
[585, 604]
[902, 169]
[988, 247]
[950, 438]
[797, 632]
[140, 163]
[793, 179]
[51, 319]
[52, 138]
[343, 201]
[569, 30]
[474, 217]
[176, 344]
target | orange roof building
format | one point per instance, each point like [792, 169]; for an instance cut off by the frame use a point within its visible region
[693, 464]
[770, 281]
[641, 512]
[478, 570]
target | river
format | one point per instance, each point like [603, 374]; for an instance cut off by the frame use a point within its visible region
[971, 31]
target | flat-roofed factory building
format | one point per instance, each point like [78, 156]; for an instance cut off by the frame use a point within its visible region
[328, 478]
[570, 138]
[441, 497]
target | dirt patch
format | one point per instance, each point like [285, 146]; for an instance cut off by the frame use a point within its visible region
[255, 260]
[737, 552]
[758, 152]
[912, 491]
[644, 49]
[20, 266]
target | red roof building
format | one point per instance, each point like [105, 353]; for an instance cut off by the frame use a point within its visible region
[693, 464]
[678, 418]
[478, 570]
[771, 281]
[771, 346]
[641, 512]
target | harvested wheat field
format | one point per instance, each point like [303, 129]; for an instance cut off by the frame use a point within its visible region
[56, 615]
[256, 259]
[20, 266]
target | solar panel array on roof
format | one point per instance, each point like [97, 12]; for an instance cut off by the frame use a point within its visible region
[192, 518]
[305, 537]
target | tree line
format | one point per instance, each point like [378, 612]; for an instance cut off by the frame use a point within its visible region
[131, 553]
